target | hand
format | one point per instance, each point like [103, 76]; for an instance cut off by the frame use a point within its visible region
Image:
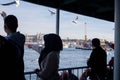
[3, 14]
[37, 71]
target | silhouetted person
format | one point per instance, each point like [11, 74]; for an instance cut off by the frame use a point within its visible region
[111, 65]
[97, 61]
[8, 60]
[17, 39]
[49, 57]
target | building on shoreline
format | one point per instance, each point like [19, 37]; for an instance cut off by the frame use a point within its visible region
[67, 43]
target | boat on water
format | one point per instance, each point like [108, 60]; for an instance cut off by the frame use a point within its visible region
[84, 46]
[68, 46]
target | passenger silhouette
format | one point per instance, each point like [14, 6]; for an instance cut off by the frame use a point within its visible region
[17, 39]
[97, 61]
[49, 57]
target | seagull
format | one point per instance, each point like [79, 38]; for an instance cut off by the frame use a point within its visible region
[10, 3]
[51, 12]
[75, 21]
[76, 18]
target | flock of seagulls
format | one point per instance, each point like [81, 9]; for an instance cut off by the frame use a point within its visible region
[17, 2]
[74, 21]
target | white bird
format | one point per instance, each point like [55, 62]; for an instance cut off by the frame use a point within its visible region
[17, 2]
[75, 20]
[51, 12]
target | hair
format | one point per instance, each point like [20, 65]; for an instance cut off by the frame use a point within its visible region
[11, 22]
[53, 42]
[96, 42]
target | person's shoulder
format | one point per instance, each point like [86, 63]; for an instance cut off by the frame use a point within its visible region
[4, 42]
[2, 39]
[53, 55]
[21, 35]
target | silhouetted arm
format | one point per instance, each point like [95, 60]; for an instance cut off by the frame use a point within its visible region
[37, 48]
[3, 14]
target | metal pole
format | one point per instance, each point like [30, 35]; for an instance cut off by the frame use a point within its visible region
[57, 20]
[117, 41]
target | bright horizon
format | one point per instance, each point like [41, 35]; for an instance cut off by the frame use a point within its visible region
[35, 19]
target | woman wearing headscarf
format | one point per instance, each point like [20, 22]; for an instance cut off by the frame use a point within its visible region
[49, 57]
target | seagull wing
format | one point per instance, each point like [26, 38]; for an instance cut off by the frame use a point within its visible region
[74, 22]
[6, 4]
[17, 2]
[51, 12]
[76, 18]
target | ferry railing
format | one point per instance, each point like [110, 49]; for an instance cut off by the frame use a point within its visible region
[65, 73]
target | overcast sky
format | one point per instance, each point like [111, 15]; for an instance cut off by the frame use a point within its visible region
[35, 19]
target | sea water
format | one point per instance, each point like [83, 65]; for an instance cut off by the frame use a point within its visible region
[69, 57]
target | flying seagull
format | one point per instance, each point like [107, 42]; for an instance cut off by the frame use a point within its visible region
[10, 3]
[51, 12]
[75, 20]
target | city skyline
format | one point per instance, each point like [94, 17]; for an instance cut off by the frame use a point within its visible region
[35, 19]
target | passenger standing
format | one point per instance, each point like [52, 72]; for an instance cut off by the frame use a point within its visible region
[49, 58]
[7, 60]
[97, 61]
[18, 40]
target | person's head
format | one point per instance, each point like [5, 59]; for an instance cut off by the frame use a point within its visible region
[53, 42]
[10, 24]
[95, 42]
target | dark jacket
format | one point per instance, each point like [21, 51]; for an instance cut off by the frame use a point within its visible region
[8, 58]
[18, 40]
[98, 61]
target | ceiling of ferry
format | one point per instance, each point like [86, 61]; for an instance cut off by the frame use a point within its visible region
[101, 9]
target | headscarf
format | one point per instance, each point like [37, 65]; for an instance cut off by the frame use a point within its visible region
[52, 42]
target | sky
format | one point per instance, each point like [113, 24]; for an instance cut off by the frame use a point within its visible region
[34, 19]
